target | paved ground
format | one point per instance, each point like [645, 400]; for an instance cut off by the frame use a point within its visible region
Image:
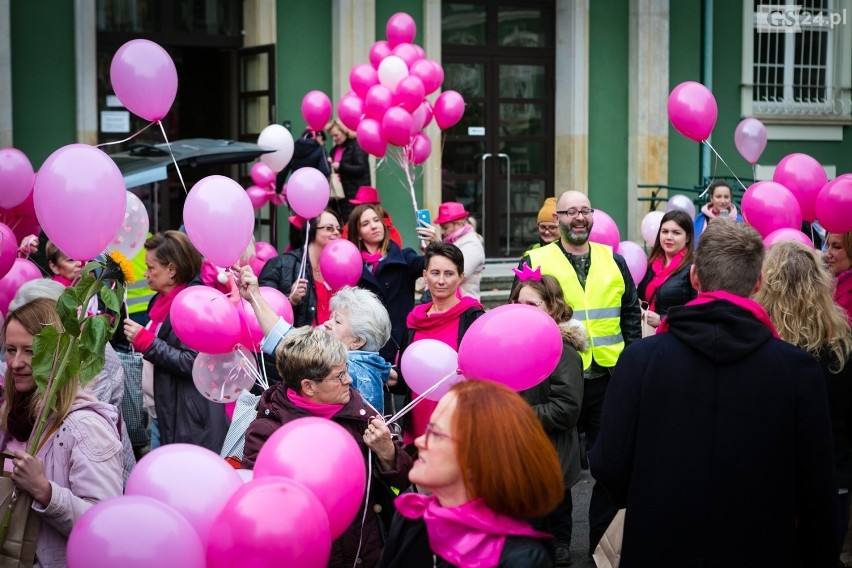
[580, 539]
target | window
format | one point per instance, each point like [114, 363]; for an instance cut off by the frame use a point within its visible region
[796, 61]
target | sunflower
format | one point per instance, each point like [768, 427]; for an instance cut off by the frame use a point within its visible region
[119, 268]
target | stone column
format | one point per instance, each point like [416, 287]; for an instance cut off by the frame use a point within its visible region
[431, 38]
[85, 38]
[648, 88]
[353, 29]
[259, 22]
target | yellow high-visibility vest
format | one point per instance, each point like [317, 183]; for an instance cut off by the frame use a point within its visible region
[139, 294]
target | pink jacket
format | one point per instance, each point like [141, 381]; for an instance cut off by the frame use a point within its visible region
[843, 292]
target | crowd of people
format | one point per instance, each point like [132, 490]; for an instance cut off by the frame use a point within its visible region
[724, 433]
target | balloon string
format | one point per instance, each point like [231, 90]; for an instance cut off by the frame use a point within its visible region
[129, 138]
[304, 267]
[726, 164]
[754, 172]
[172, 154]
[408, 407]
[366, 503]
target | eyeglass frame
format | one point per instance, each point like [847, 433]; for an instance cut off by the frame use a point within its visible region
[548, 228]
[430, 431]
[345, 374]
[584, 212]
[531, 303]
[330, 228]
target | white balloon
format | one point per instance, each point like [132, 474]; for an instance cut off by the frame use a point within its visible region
[682, 203]
[651, 226]
[277, 137]
[133, 232]
[391, 71]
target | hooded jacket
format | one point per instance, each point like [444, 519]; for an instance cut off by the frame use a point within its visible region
[370, 373]
[716, 437]
[280, 273]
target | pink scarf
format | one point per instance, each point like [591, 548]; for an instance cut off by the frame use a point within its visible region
[470, 535]
[160, 310]
[661, 274]
[708, 211]
[62, 280]
[458, 233]
[371, 259]
[745, 303]
[322, 410]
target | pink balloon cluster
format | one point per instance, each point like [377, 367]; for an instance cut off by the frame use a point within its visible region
[388, 104]
[263, 191]
[834, 205]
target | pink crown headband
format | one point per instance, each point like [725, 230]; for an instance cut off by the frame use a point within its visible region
[527, 273]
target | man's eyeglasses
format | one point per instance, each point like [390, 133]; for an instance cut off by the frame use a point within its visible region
[329, 228]
[430, 431]
[548, 228]
[573, 212]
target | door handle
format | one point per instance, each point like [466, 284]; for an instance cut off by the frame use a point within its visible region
[484, 157]
[502, 156]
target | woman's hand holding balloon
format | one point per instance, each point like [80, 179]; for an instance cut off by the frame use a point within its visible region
[378, 438]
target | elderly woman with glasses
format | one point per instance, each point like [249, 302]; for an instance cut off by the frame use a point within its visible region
[309, 295]
[313, 366]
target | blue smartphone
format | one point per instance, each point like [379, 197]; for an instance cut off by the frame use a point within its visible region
[423, 216]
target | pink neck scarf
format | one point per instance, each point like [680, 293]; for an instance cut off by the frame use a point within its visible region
[745, 303]
[470, 535]
[321, 410]
[371, 259]
[62, 280]
[458, 233]
[661, 274]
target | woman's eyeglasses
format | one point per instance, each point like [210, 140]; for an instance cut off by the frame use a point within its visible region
[533, 303]
[429, 432]
[329, 228]
[548, 228]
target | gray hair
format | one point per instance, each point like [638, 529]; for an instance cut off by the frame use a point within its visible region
[368, 317]
[308, 353]
[34, 290]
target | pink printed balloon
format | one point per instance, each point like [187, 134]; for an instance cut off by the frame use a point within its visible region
[421, 147]
[805, 177]
[8, 249]
[636, 259]
[259, 196]
[409, 93]
[262, 175]
[400, 28]
[396, 126]
[768, 206]
[270, 522]
[528, 333]
[341, 264]
[107, 535]
[307, 192]
[316, 109]
[252, 334]
[407, 53]
[16, 177]
[213, 203]
[205, 320]
[80, 199]
[429, 73]
[370, 137]
[144, 79]
[787, 235]
[192, 479]
[22, 271]
[379, 51]
[750, 139]
[448, 109]
[291, 452]
[692, 110]
[604, 230]
[361, 78]
[222, 377]
[379, 99]
[833, 205]
[133, 233]
[427, 361]
[350, 109]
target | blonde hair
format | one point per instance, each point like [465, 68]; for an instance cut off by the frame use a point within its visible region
[308, 353]
[335, 123]
[797, 294]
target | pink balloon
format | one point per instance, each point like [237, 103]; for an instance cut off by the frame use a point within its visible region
[350, 109]
[427, 361]
[252, 334]
[144, 79]
[409, 93]
[316, 109]
[205, 320]
[420, 149]
[369, 135]
[528, 333]
[651, 226]
[307, 192]
[637, 260]
[291, 452]
[269, 523]
[692, 110]
[448, 109]
[278, 199]
[400, 29]
[22, 271]
[221, 378]
[213, 203]
[361, 78]
[396, 126]
[80, 199]
[407, 53]
[804, 176]
[750, 139]
[421, 53]
[683, 203]
[192, 479]
[604, 230]
[259, 196]
[833, 205]
[429, 72]
[341, 264]
[378, 100]
[768, 206]
[107, 535]
[264, 250]
[787, 235]
[16, 177]
[379, 51]
[262, 175]
[8, 250]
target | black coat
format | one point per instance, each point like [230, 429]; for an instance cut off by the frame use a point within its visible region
[716, 437]
[839, 387]
[677, 290]
[281, 272]
[307, 153]
[354, 168]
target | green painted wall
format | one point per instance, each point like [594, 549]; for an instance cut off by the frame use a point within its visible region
[684, 65]
[608, 102]
[43, 77]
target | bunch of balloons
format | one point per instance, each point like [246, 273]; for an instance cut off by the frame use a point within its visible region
[263, 190]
